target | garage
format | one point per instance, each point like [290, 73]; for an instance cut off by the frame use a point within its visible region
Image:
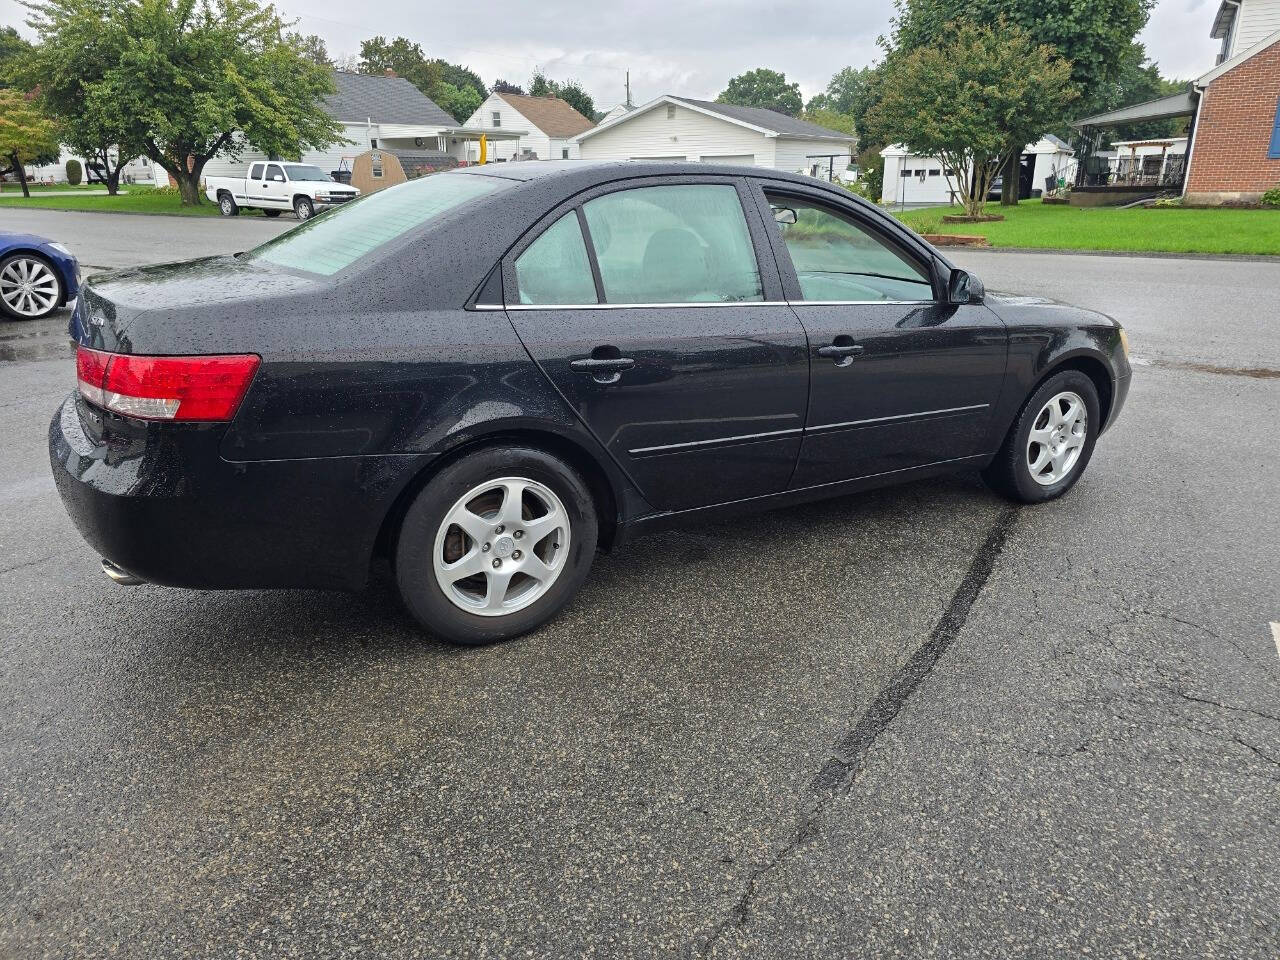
[741, 159]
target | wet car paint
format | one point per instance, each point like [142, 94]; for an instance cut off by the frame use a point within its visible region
[374, 377]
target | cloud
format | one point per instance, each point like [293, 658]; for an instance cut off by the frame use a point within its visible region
[668, 47]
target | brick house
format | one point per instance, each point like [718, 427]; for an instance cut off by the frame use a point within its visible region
[1234, 151]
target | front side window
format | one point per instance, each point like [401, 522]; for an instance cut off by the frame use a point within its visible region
[836, 259]
[274, 171]
[555, 269]
[676, 244]
[327, 244]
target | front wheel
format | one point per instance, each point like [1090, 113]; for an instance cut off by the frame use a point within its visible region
[227, 206]
[30, 288]
[303, 208]
[495, 544]
[1049, 445]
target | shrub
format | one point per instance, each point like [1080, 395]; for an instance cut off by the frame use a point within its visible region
[926, 224]
[74, 172]
[1271, 198]
[1168, 202]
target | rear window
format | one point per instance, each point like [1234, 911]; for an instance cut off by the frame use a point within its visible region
[337, 239]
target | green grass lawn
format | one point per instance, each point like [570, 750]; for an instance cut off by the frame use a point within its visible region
[139, 199]
[1167, 230]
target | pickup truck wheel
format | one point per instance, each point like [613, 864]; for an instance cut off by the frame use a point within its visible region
[303, 208]
[271, 213]
[228, 206]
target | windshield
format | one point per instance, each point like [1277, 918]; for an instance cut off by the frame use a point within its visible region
[335, 240]
[306, 172]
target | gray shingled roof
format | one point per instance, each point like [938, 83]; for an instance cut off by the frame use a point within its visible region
[383, 99]
[779, 123]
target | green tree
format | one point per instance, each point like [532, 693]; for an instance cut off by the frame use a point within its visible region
[27, 135]
[13, 48]
[1135, 79]
[852, 92]
[829, 118]
[378, 55]
[763, 88]
[458, 76]
[501, 86]
[78, 46]
[973, 99]
[1092, 35]
[311, 47]
[570, 91]
[459, 102]
[190, 79]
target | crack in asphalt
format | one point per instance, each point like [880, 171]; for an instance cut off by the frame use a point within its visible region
[850, 751]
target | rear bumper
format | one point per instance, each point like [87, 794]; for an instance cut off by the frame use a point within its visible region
[158, 501]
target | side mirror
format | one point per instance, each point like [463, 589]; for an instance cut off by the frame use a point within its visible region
[964, 287]
[784, 215]
[278, 178]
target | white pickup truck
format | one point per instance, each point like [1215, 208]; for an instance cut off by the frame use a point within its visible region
[273, 186]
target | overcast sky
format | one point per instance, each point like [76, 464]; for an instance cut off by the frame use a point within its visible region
[688, 48]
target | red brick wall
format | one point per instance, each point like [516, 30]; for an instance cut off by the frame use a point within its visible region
[1233, 131]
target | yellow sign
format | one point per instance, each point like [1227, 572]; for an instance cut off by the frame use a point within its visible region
[484, 149]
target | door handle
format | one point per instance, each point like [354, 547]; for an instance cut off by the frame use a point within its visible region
[840, 351]
[602, 364]
[604, 369]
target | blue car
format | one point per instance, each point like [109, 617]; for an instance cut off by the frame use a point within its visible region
[37, 276]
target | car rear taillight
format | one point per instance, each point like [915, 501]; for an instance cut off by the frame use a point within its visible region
[165, 388]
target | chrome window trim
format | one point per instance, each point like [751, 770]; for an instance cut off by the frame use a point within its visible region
[704, 303]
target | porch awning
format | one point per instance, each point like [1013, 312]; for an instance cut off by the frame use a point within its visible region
[1179, 105]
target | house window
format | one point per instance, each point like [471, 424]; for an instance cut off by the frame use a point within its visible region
[373, 143]
[564, 153]
[906, 173]
[935, 172]
[497, 119]
[376, 170]
[671, 111]
[1273, 152]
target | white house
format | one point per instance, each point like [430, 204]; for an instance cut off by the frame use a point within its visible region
[386, 112]
[547, 124]
[912, 178]
[679, 128]
[620, 110]
[137, 170]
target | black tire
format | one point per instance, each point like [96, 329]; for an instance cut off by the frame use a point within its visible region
[271, 213]
[303, 208]
[1010, 474]
[59, 300]
[227, 205]
[414, 559]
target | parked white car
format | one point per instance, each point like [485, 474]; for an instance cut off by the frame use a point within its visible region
[273, 186]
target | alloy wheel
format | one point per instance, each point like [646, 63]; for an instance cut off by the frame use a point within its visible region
[1057, 437]
[501, 546]
[29, 287]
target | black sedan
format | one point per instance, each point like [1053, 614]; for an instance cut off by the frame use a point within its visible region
[487, 375]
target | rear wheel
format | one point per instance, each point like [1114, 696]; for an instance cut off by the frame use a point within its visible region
[1050, 443]
[227, 205]
[30, 287]
[303, 208]
[495, 544]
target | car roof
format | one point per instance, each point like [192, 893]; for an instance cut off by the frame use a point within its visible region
[602, 170]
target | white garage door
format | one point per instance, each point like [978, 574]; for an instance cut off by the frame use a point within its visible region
[742, 159]
[660, 158]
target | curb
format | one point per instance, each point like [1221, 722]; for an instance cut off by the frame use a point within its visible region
[1133, 254]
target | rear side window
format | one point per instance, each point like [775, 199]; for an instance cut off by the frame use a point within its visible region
[676, 244]
[837, 259]
[555, 269]
[328, 243]
[255, 172]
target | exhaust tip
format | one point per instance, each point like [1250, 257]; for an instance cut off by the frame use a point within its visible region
[119, 575]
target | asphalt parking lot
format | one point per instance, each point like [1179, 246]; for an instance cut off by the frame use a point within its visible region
[916, 723]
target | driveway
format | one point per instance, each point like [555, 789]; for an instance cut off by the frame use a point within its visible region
[916, 723]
